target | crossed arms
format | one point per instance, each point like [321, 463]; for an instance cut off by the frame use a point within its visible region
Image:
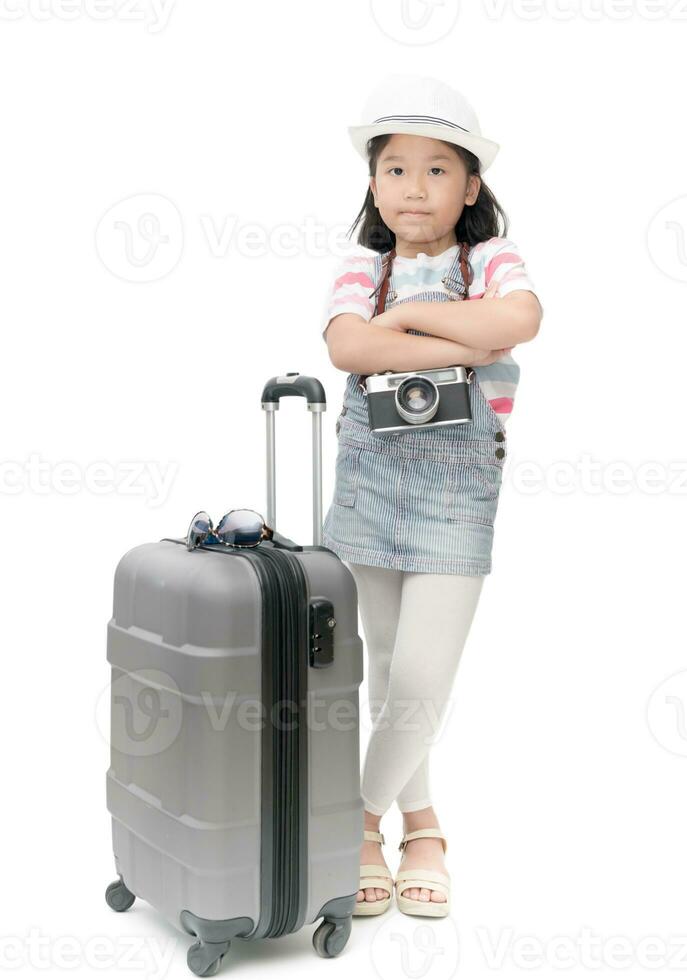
[469, 333]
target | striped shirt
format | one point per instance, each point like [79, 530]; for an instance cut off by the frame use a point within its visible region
[495, 260]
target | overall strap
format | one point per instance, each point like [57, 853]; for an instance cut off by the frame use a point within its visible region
[459, 281]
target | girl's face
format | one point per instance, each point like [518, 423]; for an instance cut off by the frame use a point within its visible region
[420, 187]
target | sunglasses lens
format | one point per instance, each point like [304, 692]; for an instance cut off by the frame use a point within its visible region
[240, 527]
[199, 530]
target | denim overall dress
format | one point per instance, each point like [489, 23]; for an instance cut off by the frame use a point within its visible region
[423, 500]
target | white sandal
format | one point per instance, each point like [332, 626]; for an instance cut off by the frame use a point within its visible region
[374, 876]
[422, 878]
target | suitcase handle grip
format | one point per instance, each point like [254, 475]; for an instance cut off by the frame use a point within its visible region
[311, 389]
[294, 384]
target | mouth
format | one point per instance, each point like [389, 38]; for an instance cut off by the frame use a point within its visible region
[420, 214]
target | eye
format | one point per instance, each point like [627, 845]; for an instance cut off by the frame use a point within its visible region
[441, 169]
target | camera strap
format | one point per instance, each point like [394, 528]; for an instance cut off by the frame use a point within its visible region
[380, 303]
[383, 288]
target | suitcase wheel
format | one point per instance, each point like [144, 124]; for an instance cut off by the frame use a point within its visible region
[331, 936]
[204, 959]
[118, 896]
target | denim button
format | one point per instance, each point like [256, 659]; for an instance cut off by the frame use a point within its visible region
[500, 436]
[500, 453]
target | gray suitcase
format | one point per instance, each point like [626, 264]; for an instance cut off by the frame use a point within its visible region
[234, 779]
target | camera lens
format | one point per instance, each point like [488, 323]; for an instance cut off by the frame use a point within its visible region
[417, 399]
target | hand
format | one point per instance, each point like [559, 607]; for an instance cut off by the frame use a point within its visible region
[479, 358]
[389, 319]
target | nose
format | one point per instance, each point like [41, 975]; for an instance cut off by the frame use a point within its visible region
[415, 188]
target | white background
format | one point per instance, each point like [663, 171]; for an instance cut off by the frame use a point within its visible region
[559, 778]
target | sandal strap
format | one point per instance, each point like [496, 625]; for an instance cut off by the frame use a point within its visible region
[369, 882]
[424, 832]
[375, 869]
[373, 835]
[421, 883]
[375, 876]
[423, 878]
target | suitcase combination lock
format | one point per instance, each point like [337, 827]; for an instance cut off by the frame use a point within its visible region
[321, 632]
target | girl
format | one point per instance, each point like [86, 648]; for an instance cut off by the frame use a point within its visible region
[412, 514]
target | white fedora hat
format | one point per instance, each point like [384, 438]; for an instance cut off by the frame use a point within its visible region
[422, 106]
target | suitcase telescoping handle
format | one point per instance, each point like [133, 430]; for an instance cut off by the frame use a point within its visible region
[311, 389]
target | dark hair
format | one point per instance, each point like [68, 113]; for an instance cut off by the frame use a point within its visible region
[477, 223]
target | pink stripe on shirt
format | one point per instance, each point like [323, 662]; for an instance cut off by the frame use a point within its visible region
[498, 261]
[351, 278]
[345, 298]
[503, 405]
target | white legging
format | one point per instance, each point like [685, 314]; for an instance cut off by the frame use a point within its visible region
[415, 626]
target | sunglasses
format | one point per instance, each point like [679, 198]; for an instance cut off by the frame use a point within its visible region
[237, 529]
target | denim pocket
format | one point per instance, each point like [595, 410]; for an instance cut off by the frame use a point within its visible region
[347, 466]
[471, 491]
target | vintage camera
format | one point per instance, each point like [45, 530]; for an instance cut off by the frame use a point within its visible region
[398, 401]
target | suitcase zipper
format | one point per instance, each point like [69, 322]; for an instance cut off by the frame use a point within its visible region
[285, 644]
